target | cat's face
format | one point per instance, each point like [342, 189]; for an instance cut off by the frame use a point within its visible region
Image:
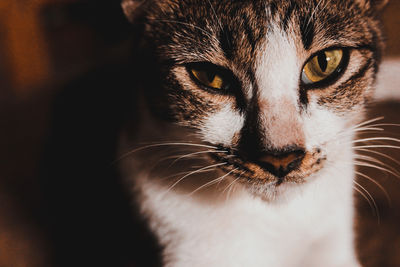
[275, 83]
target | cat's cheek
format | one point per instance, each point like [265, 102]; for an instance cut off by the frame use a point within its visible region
[222, 127]
[329, 131]
[321, 126]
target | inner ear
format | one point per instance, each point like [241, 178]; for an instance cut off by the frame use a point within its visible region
[133, 9]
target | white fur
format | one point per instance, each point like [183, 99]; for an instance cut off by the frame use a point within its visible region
[314, 228]
[278, 67]
[277, 75]
[322, 127]
[220, 127]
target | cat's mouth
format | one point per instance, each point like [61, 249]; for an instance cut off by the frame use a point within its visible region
[255, 172]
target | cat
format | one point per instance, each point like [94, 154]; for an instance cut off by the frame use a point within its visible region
[246, 111]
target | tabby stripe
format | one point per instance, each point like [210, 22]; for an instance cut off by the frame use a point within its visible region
[303, 98]
[307, 30]
[362, 71]
[251, 134]
[355, 78]
[288, 15]
[249, 32]
[273, 9]
[226, 42]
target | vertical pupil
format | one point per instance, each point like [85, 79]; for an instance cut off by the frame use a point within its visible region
[210, 76]
[322, 61]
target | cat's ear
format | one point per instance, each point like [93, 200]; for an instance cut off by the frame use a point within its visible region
[133, 9]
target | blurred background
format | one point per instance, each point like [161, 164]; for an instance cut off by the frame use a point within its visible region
[64, 72]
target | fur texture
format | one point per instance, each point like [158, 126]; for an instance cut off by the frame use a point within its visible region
[212, 179]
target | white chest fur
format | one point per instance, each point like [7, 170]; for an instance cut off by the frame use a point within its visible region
[311, 228]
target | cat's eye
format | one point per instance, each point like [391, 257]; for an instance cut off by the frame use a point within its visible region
[208, 78]
[209, 75]
[326, 64]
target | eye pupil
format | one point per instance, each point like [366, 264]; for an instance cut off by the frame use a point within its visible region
[210, 76]
[323, 61]
[325, 64]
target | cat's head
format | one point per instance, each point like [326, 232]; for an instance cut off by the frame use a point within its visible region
[274, 83]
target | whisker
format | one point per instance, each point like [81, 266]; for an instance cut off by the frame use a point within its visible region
[380, 154]
[193, 172]
[374, 160]
[377, 139]
[314, 13]
[377, 146]
[349, 132]
[240, 175]
[154, 166]
[384, 124]
[322, 9]
[185, 172]
[161, 145]
[230, 185]
[371, 201]
[368, 129]
[377, 184]
[216, 16]
[365, 125]
[368, 122]
[372, 204]
[197, 153]
[192, 157]
[181, 144]
[364, 164]
[217, 180]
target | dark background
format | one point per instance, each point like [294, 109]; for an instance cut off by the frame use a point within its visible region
[64, 78]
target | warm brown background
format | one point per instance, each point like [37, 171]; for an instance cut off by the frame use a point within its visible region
[44, 44]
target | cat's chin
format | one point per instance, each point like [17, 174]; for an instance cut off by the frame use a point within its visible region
[274, 191]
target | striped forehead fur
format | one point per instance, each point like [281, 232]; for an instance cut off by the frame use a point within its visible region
[180, 22]
[185, 32]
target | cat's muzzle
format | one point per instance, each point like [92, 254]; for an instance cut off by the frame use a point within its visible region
[289, 165]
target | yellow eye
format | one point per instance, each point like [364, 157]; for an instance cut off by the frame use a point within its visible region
[322, 66]
[208, 78]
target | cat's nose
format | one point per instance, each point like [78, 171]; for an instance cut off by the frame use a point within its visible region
[281, 162]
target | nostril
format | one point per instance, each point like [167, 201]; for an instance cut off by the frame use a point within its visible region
[281, 162]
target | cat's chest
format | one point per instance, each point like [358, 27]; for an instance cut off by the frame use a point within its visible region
[242, 231]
